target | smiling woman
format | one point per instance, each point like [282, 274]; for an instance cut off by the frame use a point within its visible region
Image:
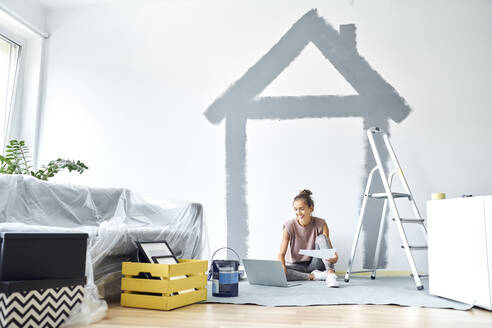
[306, 232]
[9, 63]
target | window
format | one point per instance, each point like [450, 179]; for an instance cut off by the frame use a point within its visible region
[9, 65]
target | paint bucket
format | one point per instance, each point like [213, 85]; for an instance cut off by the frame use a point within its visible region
[225, 276]
[438, 195]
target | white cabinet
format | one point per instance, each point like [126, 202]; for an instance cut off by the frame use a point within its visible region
[460, 249]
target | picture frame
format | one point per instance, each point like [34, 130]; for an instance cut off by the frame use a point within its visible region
[164, 260]
[156, 252]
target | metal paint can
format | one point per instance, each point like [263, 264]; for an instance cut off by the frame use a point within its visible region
[225, 276]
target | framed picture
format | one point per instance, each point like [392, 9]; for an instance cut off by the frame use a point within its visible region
[164, 260]
[156, 252]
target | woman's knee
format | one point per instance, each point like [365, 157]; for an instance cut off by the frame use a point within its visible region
[294, 275]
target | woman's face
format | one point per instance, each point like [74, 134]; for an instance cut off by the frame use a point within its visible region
[303, 212]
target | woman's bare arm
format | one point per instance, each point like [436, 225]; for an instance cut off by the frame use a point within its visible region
[283, 248]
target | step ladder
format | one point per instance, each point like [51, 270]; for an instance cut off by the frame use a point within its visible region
[389, 200]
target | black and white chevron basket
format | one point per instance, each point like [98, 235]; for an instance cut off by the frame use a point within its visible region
[46, 308]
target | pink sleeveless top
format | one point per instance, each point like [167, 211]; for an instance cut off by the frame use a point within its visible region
[302, 238]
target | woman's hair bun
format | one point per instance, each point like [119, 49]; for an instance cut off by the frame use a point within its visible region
[305, 195]
[305, 192]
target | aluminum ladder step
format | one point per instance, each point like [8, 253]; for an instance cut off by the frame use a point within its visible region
[382, 195]
[421, 221]
[416, 248]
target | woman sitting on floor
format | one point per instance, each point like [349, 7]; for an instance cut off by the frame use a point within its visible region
[306, 232]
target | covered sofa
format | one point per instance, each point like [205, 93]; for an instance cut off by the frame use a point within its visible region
[114, 219]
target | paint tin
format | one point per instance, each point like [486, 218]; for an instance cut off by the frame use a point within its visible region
[438, 195]
[225, 276]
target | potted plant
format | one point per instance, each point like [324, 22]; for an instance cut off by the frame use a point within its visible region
[17, 160]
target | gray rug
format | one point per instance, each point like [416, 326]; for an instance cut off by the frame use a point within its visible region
[360, 290]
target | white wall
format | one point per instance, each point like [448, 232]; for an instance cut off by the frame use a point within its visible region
[127, 85]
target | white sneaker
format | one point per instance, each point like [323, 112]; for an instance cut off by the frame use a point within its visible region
[319, 275]
[331, 280]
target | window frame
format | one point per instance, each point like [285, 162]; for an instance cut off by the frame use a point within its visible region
[26, 114]
[14, 102]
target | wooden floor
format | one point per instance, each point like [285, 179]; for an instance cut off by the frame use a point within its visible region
[234, 316]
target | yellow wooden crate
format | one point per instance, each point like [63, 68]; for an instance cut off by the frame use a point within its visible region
[164, 293]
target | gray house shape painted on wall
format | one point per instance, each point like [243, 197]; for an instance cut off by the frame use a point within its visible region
[377, 102]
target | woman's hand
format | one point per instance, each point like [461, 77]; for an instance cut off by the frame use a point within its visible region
[333, 259]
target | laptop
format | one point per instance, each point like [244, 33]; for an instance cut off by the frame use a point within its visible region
[267, 273]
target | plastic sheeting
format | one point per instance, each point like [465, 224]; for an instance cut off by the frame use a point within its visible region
[114, 219]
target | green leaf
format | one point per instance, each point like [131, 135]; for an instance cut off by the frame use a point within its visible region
[17, 160]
